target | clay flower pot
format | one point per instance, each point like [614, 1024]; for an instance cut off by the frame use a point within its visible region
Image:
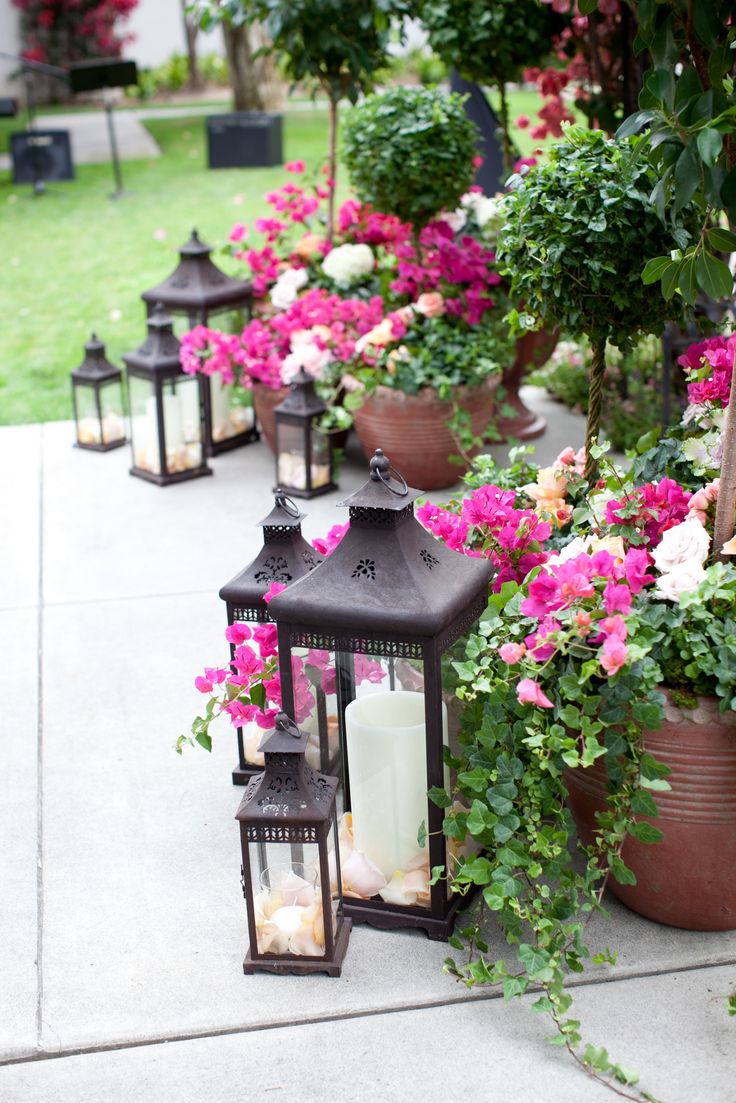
[688, 879]
[412, 430]
[264, 400]
[532, 350]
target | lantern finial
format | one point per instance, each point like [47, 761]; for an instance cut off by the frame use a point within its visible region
[287, 726]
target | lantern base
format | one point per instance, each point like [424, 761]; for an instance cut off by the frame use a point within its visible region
[243, 774]
[387, 917]
[176, 477]
[298, 492]
[101, 447]
[216, 448]
[302, 967]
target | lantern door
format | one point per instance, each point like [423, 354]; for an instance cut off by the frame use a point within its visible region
[87, 415]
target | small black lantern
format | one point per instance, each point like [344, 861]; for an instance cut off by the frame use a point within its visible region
[97, 393]
[387, 606]
[303, 452]
[285, 557]
[198, 290]
[291, 864]
[166, 414]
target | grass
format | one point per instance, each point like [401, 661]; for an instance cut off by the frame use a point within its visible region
[75, 261]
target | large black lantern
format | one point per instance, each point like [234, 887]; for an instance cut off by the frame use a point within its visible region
[291, 864]
[284, 557]
[97, 393]
[303, 452]
[166, 415]
[388, 608]
[198, 290]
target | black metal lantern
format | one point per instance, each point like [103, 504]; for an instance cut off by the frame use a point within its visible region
[291, 863]
[166, 414]
[284, 557]
[388, 607]
[97, 393]
[303, 452]
[198, 290]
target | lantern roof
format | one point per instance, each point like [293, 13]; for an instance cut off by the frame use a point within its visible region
[197, 285]
[159, 353]
[301, 399]
[287, 789]
[388, 577]
[284, 557]
[95, 368]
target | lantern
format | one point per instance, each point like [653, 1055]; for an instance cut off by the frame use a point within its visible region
[284, 557]
[388, 610]
[97, 393]
[198, 289]
[166, 418]
[291, 865]
[303, 452]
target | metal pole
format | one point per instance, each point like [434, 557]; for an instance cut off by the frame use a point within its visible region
[113, 146]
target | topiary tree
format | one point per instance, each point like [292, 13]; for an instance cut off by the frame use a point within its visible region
[578, 232]
[490, 42]
[410, 152]
[336, 44]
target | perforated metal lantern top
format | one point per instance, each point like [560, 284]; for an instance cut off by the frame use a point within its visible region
[96, 368]
[158, 356]
[285, 557]
[197, 286]
[288, 793]
[387, 577]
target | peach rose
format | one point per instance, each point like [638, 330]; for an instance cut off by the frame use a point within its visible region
[431, 304]
[308, 246]
[382, 334]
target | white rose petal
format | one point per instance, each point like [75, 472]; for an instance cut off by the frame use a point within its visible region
[287, 287]
[686, 543]
[348, 264]
[683, 578]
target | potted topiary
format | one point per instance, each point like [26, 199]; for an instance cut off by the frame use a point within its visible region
[577, 233]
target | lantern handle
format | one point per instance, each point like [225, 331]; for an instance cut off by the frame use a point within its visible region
[285, 503]
[285, 724]
[380, 466]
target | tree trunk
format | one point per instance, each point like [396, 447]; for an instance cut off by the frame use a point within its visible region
[508, 155]
[595, 404]
[255, 81]
[195, 82]
[332, 168]
[726, 504]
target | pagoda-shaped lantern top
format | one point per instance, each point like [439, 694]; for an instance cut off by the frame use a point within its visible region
[386, 611]
[97, 393]
[291, 867]
[197, 288]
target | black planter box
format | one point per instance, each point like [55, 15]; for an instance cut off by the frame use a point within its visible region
[244, 139]
[41, 155]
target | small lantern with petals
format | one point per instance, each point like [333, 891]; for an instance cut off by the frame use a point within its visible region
[291, 864]
[303, 452]
[97, 392]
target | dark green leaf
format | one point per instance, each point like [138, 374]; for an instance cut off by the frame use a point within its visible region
[714, 276]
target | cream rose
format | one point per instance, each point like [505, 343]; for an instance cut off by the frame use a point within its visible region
[680, 580]
[686, 543]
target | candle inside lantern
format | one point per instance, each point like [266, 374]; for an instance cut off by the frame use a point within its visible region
[288, 912]
[387, 759]
[292, 471]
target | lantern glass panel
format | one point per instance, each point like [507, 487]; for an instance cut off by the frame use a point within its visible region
[89, 427]
[288, 899]
[320, 458]
[144, 424]
[232, 409]
[291, 444]
[111, 408]
[182, 424]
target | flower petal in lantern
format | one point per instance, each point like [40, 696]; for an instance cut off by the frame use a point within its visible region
[296, 890]
[271, 939]
[360, 877]
[396, 892]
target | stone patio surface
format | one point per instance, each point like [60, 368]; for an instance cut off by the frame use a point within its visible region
[122, 926]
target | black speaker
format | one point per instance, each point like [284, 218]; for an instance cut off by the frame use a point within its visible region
[41, 155]
[8, 108]
[244, 139]
[102, 72]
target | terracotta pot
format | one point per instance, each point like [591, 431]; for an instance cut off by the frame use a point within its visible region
[688, 879]
[532, 350]
[264, 401]
[412, 431]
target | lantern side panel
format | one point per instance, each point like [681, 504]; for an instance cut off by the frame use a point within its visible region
[111, 411]
[288, 897]
[144, 424]
[89, 429]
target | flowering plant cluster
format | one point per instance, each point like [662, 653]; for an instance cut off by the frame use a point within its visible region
[708, 369]
[57, 31]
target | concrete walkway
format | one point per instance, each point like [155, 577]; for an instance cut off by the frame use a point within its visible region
[122, 925]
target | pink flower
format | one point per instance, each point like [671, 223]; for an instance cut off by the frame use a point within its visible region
[203, 685]
[266, 638]
[477, 161]
[636, 563]
[529, 692]
[237, 633]
[273, 589]
[238, 232]
[431, 304]
[326, 546]
[512, 652]
[614, 654]
[295, 166]
[215, 674]
[246, 662]
[616, 599]
[522, 122]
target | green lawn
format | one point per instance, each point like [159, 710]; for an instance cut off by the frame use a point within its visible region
[74, 261]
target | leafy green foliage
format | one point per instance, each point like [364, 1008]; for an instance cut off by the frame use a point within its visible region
[409, 152]
[578, 230]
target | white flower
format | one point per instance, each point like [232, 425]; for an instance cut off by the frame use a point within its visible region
[576, 547]
[682, 578]
[704, 452]
[348, 264]
[686, 543]
[308, 356]
[486, 209]
[287, 287]
[454, 219]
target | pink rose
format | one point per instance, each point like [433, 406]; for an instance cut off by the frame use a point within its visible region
[512, 652]
[529, 692]
[431, 304]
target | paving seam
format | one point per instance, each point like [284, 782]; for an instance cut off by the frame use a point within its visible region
[315, 1020]
[212, 591]
[39, 762]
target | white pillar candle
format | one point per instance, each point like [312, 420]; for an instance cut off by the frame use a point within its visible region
[220, 408]
[173, 430]
[188, 397]
[387, 763]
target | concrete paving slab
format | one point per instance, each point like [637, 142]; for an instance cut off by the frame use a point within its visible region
[18, 836]
[673, 1029]
[91, 141]
[20, 490]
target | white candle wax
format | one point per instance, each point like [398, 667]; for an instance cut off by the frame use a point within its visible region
[288, 919]
[386, 750]
[173, 430]
[220, 408]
